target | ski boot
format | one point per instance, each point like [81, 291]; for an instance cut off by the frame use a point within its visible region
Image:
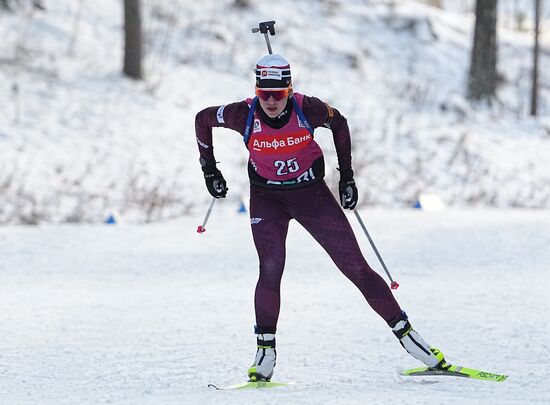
[266, 356]
[415, 345]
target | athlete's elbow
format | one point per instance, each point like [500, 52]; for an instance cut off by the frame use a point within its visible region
[199, 119]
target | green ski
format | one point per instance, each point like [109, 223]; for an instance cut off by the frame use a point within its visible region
[251, 385]
[455, 371]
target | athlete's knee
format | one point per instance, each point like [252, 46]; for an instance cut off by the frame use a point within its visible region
[271, 273]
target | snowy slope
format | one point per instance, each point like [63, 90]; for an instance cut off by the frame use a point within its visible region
[78, 141]
[151, 314]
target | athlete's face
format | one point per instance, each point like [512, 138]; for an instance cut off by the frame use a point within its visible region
[273, 107]
[273, 101]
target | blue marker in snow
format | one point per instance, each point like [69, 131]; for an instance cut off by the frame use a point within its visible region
[242, 208]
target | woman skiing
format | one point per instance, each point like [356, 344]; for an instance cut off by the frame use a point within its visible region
[286, 170]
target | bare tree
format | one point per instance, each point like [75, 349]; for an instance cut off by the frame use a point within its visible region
[536, 51]
[5, 4]
[482, 78]
[242, 4]
[133, 43]
[434, 3]
[39, 5]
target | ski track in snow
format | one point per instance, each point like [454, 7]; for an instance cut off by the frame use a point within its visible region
[154, 313]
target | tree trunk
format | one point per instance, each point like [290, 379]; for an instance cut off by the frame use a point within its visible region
[536, 51]
[132, 39]
[435, 3]
[482, 79]
[4, 4]
[242, 4]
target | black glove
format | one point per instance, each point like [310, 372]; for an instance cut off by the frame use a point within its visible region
[217, 187]
[347, 189]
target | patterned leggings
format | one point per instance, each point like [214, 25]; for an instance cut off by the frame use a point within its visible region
[316, 209]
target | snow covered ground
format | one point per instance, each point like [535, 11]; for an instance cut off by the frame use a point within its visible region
[151, 314]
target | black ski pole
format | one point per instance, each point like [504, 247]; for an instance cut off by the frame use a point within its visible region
[394, 284]
[264, 28]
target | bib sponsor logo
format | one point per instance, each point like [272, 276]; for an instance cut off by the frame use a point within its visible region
[281, 144]
[300, 123]
[308, 175]
[257, 125]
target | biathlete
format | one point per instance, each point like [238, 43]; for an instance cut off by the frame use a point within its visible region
[286, 170]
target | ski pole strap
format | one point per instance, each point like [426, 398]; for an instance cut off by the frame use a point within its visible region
[301, 115]
[249, 119]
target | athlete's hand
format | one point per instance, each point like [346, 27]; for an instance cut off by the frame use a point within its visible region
[217, 187]
[347, 190]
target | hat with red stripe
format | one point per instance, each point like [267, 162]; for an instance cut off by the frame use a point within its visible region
[273, 72]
